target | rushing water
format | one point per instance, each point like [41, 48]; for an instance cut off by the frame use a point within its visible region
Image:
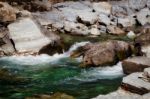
[58, 73]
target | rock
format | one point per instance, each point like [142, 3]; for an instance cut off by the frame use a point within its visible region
[135, 64]
[119, 11]
[28, 36]
[104, 19]
[7, 13]
[131, 35]
[146, 50]
[104, 53]
[148, 3]
[87, 18]
[134, 83]
[126, 21]
[76, 28]
[147, 73]
[2, 53]
[95, 31]
[119, 94]
[137, 4]
[102, 7]
[144, 16]
[115, 30]
[144, 37]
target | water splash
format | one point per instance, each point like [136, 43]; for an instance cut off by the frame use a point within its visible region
[42, 59]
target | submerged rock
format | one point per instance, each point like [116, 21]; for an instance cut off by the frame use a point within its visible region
[104, 53]
[57, 95]
[135, 64]
[10, 78]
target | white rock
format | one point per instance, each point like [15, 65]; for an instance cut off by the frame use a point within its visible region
[131, 35]
[27, 35]
[87, 17]
[95, 31]
[102, 7]
[144, 16]
[76, 28]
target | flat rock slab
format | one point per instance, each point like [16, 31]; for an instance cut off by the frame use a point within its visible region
[134, 83]
[135, 64]
[27, 35]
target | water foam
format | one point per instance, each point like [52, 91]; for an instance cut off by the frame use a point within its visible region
[97, 73]
[42, 59]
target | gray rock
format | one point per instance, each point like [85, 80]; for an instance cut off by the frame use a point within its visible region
[144, 16]
[148, 3]
[102, 7]
[137, 4]
[119, 11]
[135, 64]
[103, 18]
[134, 83]
[126, 21]
[28, 36]
[119, 94]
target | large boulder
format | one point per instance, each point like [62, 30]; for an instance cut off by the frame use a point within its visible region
[137, 4]
[7, 13]
[28, 36]
[136, 84]
[135, 64]
[104, 53]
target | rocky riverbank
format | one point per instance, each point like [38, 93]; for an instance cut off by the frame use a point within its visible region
[35, 27]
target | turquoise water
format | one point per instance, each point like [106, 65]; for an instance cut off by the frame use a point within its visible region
[49, 74]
